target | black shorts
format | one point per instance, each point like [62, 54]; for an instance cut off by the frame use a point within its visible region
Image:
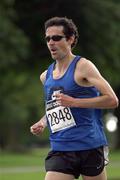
[87, 162]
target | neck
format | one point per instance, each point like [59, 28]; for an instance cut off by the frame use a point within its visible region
[64, 62]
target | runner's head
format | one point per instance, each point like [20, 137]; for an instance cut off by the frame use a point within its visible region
[69, 28]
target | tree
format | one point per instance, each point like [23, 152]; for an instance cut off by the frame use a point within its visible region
[97, 21]
[100, 36]
[13, 49]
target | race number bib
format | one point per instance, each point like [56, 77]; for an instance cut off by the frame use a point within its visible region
[59, 117]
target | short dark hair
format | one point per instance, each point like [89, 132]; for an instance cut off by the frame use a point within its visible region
[69, 28]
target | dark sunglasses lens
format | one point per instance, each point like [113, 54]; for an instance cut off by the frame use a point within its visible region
[54, 38]
[57, 38]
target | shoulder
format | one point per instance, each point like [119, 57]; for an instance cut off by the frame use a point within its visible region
[83, 62]
[85, 72]
[43, 76]
[86, 66]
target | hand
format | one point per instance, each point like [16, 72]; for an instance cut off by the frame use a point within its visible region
[65, 100]
[37, 128]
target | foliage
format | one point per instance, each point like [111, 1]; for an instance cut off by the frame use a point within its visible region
[97, 22]
[13, 43]
[17, 100]
[101, 36]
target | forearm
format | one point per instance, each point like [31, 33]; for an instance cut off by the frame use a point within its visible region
[101, 102]
[105, 101]
[43, 120]
[39, 127]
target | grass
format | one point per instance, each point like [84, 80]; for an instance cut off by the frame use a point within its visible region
[113, 169]
[34, 158]
[23, 176]
[31, 165]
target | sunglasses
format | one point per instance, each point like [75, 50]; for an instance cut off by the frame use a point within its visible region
[54, 38]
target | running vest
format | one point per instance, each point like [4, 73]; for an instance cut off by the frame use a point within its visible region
[72, 129]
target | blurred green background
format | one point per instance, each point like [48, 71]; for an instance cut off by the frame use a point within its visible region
[24, 56]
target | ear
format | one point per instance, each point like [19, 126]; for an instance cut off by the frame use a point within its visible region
[71, 39]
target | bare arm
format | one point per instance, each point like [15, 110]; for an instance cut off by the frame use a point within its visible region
[43, 77]
[39, 127]
[87, 70]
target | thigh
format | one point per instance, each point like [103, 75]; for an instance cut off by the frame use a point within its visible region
[62, 162]
[101, 176]
[51, 175]
[92, 162]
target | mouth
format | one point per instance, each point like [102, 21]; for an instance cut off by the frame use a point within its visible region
[53, 50]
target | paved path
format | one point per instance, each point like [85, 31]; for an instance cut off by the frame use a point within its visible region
[23, 169]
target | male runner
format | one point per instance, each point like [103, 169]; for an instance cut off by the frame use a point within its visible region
[75, 94]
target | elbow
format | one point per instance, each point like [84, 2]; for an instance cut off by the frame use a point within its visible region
[117, 102]
[114, 102]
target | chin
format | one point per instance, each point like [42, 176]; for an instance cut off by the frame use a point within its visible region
[54, 56]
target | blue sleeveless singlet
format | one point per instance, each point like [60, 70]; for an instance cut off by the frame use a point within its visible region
[72, 129]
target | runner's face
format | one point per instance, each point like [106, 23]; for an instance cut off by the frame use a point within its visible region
[59, 47]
